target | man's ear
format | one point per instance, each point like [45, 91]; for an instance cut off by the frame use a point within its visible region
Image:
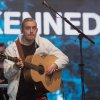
[21, 31]
[37, 29]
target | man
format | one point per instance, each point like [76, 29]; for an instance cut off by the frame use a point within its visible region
[30, 44]
[3, 91]
[2, 49]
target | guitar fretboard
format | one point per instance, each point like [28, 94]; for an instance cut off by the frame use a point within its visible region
[14, 59]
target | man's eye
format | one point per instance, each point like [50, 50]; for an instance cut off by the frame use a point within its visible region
[34, 27]
[27, 28]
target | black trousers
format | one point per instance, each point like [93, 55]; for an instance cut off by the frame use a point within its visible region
[3, 94]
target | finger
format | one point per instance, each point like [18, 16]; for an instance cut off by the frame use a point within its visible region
[49, 72]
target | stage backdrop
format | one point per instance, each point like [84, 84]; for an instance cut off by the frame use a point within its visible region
[85, 15]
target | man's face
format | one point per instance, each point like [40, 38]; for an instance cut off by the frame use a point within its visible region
[29, 30]
[2, 49]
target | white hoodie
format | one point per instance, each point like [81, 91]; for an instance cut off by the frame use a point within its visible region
[13, 74]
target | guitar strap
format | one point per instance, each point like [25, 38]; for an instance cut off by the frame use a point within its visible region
[20, 50]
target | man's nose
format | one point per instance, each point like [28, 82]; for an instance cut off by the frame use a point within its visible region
[31, 29]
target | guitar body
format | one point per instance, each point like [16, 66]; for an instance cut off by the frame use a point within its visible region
[50, 82]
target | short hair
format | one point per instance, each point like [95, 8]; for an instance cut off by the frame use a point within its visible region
[2, 44]
[25, 20]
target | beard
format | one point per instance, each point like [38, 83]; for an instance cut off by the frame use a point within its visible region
[28, 39]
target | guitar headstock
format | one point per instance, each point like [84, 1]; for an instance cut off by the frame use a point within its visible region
[2, 57]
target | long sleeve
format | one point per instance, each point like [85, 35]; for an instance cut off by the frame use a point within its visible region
[10, 70]
[52, 50]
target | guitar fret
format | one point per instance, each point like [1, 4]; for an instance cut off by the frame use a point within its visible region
[12, 59]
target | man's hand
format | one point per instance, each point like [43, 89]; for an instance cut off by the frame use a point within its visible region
[20, 63]
[51, 69]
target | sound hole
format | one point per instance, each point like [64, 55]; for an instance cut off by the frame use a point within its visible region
[41, 69]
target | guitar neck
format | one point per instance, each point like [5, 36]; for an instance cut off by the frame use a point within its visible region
[14, 59]
[39, 69]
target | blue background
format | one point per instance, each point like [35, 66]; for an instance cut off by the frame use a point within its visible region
[91, 53]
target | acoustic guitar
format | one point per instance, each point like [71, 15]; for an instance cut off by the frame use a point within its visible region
[38, 65]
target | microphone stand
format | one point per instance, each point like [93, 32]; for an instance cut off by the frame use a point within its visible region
[80, 37]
